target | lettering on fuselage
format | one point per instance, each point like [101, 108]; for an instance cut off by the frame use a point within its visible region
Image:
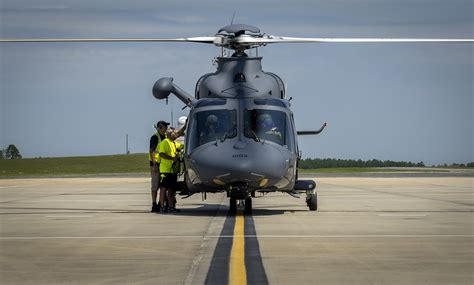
[239, 155]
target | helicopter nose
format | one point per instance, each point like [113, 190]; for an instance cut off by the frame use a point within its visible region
[240, 162]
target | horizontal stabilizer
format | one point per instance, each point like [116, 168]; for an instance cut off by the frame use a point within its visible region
[307, 133]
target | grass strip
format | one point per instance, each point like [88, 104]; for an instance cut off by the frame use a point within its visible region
[132, 163]
[59, 166]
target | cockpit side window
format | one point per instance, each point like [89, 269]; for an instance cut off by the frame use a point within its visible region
[268, 125]
[209, 126]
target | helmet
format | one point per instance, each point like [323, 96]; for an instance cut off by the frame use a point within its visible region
[161, 124]
[265, 121]
[182, 120]
[212, 120]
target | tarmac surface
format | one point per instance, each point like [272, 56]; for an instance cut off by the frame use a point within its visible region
[383, 230]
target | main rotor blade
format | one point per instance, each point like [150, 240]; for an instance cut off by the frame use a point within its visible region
[275, 39]
[206, 40]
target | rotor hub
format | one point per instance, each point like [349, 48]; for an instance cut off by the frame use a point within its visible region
[238, 37]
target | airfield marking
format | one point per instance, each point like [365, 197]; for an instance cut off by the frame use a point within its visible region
[236, 258]
[219, 268]
[238, 272]
[203, 247]
[253, 260]
[17, 186]
[68, 216]
[401, 215]
[229, 237]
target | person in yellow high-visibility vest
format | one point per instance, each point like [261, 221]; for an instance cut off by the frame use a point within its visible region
[168, 150]
[154, 158]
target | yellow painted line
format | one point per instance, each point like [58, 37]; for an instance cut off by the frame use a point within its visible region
[237, 272]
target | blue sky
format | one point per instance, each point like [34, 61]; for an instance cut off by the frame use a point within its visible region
[386, 101]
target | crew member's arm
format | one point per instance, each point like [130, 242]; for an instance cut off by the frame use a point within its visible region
[164, 150]
[169, 157]
[153, 144]
[181, 131]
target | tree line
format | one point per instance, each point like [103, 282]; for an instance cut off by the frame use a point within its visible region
[11, 152]
[454, 165]
[311, 163]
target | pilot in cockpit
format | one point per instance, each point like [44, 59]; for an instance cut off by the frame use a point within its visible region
[267, 130]
[210, 132]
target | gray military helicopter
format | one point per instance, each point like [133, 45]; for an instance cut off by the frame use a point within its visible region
[241, 136]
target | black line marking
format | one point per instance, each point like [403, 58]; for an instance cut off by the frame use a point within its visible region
[219, 269]
[253, 260]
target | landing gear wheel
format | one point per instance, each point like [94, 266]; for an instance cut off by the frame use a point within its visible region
[233, 206]
[248, 206]
[313, 202]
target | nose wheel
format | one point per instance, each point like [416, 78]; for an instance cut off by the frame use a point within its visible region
[247, 203]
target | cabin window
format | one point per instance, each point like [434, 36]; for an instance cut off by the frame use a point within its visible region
[268, 125]
[212, 125]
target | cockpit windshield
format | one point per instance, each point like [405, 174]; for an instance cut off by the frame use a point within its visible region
[268, 125]
[212, 125]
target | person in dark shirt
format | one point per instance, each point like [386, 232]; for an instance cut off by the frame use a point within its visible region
[154, 159]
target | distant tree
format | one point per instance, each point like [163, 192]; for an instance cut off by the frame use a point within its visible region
[1, 154]
[420, 164]
[12, 152]
[470, 164]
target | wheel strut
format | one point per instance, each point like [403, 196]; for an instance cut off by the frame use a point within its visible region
[233, 206]
[248, 206]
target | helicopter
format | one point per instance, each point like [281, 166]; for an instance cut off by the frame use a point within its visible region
[241, 137]
[254, 143]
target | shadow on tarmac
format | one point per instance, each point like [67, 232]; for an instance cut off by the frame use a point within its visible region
[222, 211]
[201, 210]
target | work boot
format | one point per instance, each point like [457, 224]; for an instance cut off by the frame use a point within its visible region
[174, 210]
[155, 208]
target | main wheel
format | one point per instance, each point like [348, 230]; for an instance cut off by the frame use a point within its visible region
[313, 203]
[233, 206]
[248, 206]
